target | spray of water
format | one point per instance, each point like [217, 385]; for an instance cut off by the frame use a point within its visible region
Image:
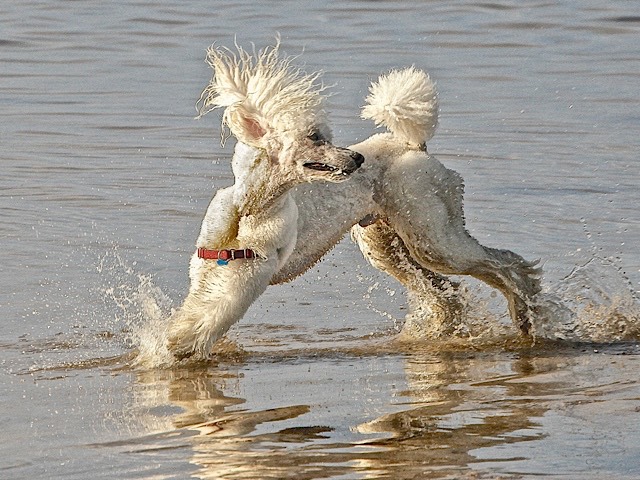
[141, 307]
[596, 302]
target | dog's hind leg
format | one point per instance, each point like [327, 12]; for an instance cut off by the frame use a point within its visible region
[435, 306]
[461, 254]
[517, 278]
[427, 213]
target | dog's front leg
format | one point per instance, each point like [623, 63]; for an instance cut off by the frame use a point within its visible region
[221, 297]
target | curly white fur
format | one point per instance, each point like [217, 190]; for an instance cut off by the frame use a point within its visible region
[261, 91]
[414, 202]
[413, 207]
[275, 111]
[406, 102]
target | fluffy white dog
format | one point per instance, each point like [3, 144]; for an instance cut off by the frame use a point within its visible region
[249, 230]
[404, 208]
[407, 216]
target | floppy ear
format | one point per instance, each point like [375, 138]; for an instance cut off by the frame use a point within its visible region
[244, 126]
[253, 128]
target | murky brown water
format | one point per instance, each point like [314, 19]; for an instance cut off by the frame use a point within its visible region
[104, 179]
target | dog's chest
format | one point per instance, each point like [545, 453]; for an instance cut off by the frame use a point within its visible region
[272, 231]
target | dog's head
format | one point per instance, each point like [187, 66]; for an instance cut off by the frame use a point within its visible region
[271, 106]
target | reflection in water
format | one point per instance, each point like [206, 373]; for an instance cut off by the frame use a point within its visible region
[450, 417]
[464, 407]
[454, 403]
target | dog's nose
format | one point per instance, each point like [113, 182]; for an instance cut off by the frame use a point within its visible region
[359, 159]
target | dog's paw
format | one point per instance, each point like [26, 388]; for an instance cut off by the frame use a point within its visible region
[179, 350]
[191, 336]
[182, 337]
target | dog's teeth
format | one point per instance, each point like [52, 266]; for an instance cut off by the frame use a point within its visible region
[323, 167]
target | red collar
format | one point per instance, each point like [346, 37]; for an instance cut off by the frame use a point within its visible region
[224, 256]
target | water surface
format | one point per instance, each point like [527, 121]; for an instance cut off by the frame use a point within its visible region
[105, 176]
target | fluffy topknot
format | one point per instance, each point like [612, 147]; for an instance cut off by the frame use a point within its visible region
[406, 103]
[261, 93]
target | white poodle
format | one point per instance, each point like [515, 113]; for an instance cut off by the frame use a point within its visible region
[249, 230]
[404, 209]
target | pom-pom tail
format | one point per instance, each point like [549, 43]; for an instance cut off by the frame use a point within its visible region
[406, 103]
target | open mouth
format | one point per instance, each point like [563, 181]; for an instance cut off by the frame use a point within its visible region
[321, 167]
[335, 171]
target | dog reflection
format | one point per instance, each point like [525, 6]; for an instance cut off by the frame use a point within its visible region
[453, 405]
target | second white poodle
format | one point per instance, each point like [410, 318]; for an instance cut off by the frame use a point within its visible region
[406, 211]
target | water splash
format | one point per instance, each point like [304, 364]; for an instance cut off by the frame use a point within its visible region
[150, 336]
[141, 306]
[596, 302]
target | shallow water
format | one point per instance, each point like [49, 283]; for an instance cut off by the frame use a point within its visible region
[105, 177]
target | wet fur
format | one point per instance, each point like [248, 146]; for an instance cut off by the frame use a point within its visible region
[414, 207]
[275, 113]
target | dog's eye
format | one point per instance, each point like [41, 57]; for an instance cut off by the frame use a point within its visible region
[316, 137]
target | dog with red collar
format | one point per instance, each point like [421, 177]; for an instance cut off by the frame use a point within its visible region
[250, 228]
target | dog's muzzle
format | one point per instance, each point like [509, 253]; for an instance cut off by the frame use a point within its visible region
[357, 158]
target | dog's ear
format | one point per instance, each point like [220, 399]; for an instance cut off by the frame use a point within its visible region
[244, 125]
[253, 128]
